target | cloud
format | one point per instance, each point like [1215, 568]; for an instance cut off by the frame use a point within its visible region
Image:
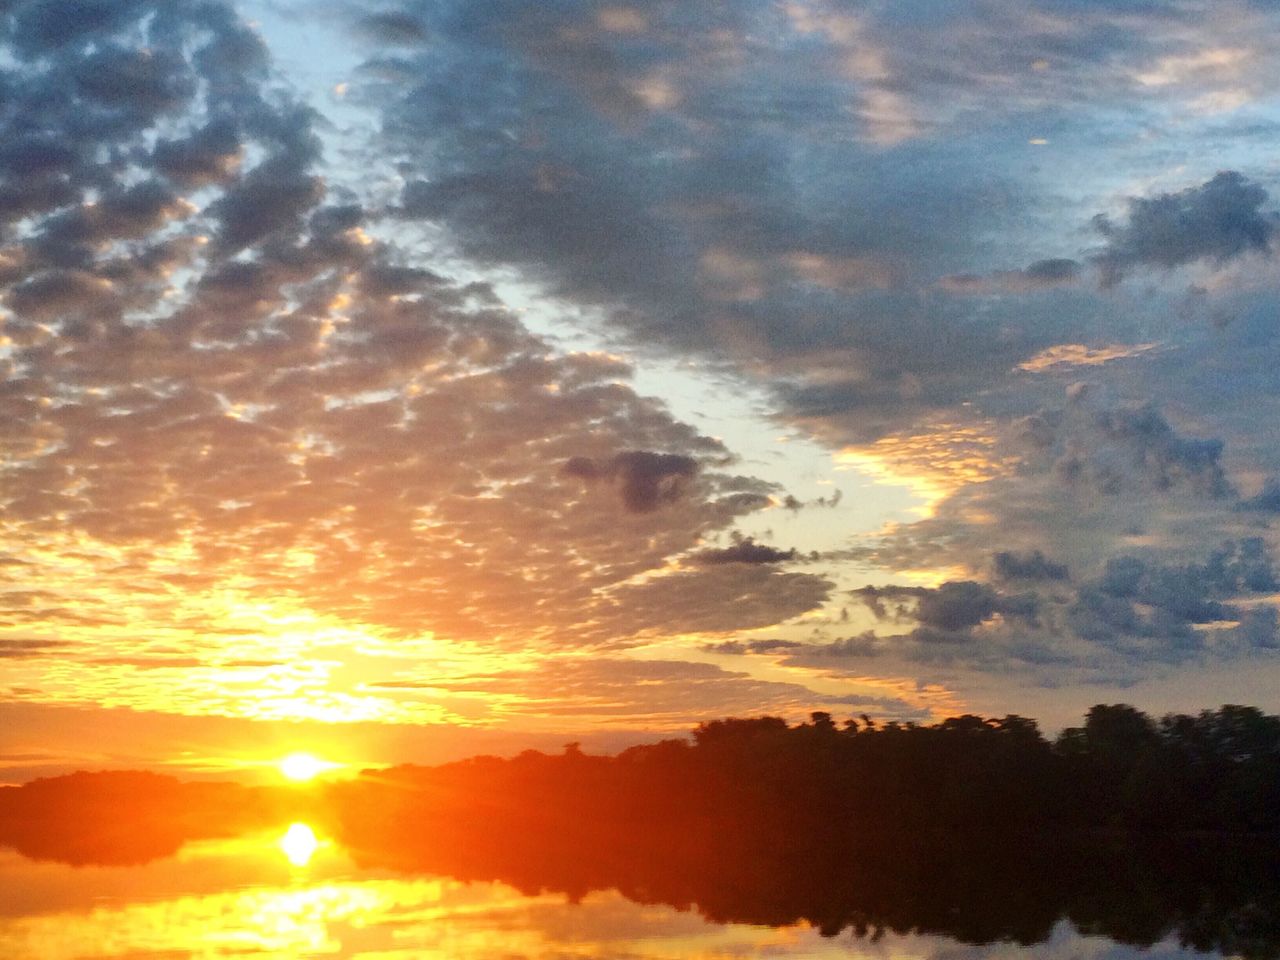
[1267, 499]
[1148, 610]
[866, 644]
[47, 25]
[1041, 275]
[1137, 618]
[1027, 566]
[737, 648]
[819, 192]
[150, 663]
[819, 291]
[24, 648]
[712, 599]
[1218, 221]
[1111, 450]
[745, 550]
[393, 28]
[954, 607]
[134, 79]
[211, 154]
[657, 693]
[233, 363]
[270, 198]
[218, 374]
[1075, 355]
[646, 479]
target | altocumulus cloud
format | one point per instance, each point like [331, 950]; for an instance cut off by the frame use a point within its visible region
[217, 359]
[208, 353]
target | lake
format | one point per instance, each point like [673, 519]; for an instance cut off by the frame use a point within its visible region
[293, 892]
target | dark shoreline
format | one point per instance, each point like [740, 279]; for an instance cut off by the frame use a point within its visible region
[977, 829]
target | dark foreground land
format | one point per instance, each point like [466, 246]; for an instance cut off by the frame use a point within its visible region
[978, 829]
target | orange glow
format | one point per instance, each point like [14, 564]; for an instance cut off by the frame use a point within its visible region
[931, 465]
[1079, 355]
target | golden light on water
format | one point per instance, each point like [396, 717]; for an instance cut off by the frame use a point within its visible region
[414, 919]
[301, 767]
[299, 844]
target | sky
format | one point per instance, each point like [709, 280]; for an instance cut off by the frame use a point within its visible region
[404, 380]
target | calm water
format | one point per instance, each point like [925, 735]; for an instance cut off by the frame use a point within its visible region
[296, 894]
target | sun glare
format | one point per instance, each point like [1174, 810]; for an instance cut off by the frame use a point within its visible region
[301, 767]
[299, 844]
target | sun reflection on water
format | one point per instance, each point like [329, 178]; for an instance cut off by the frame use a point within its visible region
[299, 844]
[227, 899]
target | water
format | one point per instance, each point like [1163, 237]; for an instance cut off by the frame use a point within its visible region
[293, 892]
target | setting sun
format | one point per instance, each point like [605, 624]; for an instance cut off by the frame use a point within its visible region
[301, 767]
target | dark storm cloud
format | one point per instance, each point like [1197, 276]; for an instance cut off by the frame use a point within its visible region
[646, 479]
[1113, 450]
[745, 550]
[952, 608]
[705, 177]
[1237, 567]
[1217, 221]
[385, 280]
[72, 238]
[1033, 565]
[811, 192]
[1140, 616]
[274, 195]
[1258, 630]
[957, 606]
[1148, 610]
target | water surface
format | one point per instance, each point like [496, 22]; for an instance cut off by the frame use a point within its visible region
[293, 892]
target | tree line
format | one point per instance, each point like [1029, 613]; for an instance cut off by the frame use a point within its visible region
[1217, 772]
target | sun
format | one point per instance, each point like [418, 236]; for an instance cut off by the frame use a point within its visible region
[301, 767]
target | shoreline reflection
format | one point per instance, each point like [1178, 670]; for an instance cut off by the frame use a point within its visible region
[357, 913]
[1202, 896]
[140, 862]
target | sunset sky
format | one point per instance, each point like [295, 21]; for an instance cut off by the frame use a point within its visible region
[405, 380]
